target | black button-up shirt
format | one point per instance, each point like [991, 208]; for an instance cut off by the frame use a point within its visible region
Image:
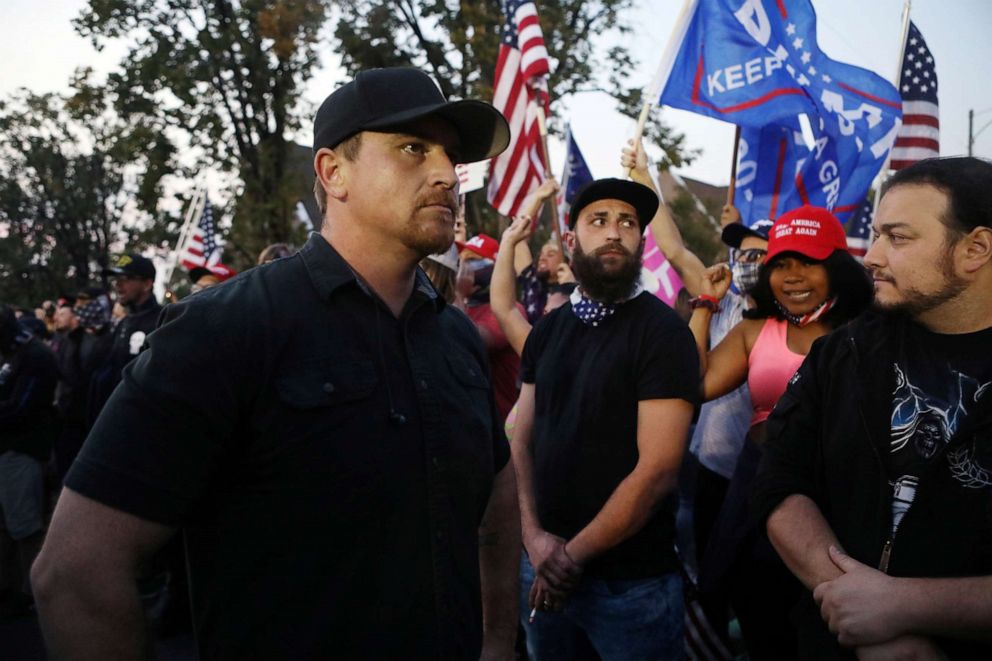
[329, 462]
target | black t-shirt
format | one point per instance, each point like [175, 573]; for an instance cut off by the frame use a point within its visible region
[588, 382]
[939, 381]
[330, 463]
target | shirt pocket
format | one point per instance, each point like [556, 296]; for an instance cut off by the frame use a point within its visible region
[326, 383]
[469, 418]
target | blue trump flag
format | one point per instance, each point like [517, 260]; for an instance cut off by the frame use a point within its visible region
[757, 62]
[574, 176]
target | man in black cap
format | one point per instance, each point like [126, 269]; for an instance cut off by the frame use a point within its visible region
[609, 383]
[133, 277]
[322, 426]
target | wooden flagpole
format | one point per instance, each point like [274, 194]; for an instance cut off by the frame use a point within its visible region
[542, 126]
[732, 188]
[653, 90]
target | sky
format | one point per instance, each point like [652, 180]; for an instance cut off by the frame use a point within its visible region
[40, 50]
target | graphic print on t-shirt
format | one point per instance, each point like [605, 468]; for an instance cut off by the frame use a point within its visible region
[926, 415]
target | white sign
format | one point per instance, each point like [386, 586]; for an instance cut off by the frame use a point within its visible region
[471, 176]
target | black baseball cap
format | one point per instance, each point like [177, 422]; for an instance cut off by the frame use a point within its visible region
[384, 98]
[735, 233]
[132, 265]
[643, 199]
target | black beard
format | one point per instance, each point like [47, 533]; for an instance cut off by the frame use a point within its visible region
[915, 302]
[602, 285]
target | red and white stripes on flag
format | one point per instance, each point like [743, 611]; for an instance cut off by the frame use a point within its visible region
[520, 91]
[202, 247]
[919, 137]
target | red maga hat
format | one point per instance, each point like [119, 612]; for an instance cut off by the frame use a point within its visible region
[482, 245]
[808, 230]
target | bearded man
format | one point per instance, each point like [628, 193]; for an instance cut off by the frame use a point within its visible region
[609, 383]
[877, 472]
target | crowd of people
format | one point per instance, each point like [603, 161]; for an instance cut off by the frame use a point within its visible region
[404, 442]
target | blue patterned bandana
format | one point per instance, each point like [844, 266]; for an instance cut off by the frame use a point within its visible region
[592, 312]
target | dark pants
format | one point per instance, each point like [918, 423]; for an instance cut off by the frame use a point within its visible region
[741, 563]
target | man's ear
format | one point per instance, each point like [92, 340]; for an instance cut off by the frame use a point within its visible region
[329, 167]
[569, 237]
[977, 251]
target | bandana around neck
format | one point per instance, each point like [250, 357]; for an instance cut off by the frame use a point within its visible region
[809, 317]
[591, 312]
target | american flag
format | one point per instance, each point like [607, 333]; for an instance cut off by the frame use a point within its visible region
[919, 136]
[858, 230]
[520, 90]
[574, 176]
[202, 248]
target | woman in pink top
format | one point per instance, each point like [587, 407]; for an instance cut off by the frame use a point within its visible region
[808, 285]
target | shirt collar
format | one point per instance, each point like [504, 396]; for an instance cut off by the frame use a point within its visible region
[328, 271]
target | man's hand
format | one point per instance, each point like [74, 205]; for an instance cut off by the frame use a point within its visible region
[547, 555]
[904, 648]
[715, 281]
[519, 230]
[634, 157]
[729, 215]
[859, 606]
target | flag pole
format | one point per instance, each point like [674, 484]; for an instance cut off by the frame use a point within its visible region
[653, 91]
[191, 217]
[732, 188]
[896, 80]
[542, 127]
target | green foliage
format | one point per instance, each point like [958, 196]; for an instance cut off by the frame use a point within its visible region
[76, 181]
[229, 76]
[698, 232]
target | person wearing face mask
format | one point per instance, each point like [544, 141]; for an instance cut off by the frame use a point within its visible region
[807, 285]
[723, 422]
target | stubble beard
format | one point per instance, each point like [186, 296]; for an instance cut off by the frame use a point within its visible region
[429, 232]
[915, 302]
[600, 284]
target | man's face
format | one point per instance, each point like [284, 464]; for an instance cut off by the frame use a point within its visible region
[911, 262]
[548, 262]
[402, 186]
[606, 249]
[65, 319]
[132, 290]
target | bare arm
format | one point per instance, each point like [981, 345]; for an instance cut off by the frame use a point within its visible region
[663, 228]
[800, 534]
[503, 288]
[499, 565]
[864, 606]
[662, 427]
[530, 208]
[84, 580]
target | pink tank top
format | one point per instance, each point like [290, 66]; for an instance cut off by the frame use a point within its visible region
[770, 366]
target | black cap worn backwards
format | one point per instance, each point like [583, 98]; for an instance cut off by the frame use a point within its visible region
[132, 265]
[639, 196]
[384, 98]
[734, 233]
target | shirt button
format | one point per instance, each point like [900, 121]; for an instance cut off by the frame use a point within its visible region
[436, 462]
[422, 384]
[439, 536]
[328, 387]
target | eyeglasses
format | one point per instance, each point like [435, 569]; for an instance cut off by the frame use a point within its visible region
[749, 256]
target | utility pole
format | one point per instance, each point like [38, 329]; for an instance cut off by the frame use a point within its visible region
[971, 123]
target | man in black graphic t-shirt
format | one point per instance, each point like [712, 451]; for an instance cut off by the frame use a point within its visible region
[877, 475]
